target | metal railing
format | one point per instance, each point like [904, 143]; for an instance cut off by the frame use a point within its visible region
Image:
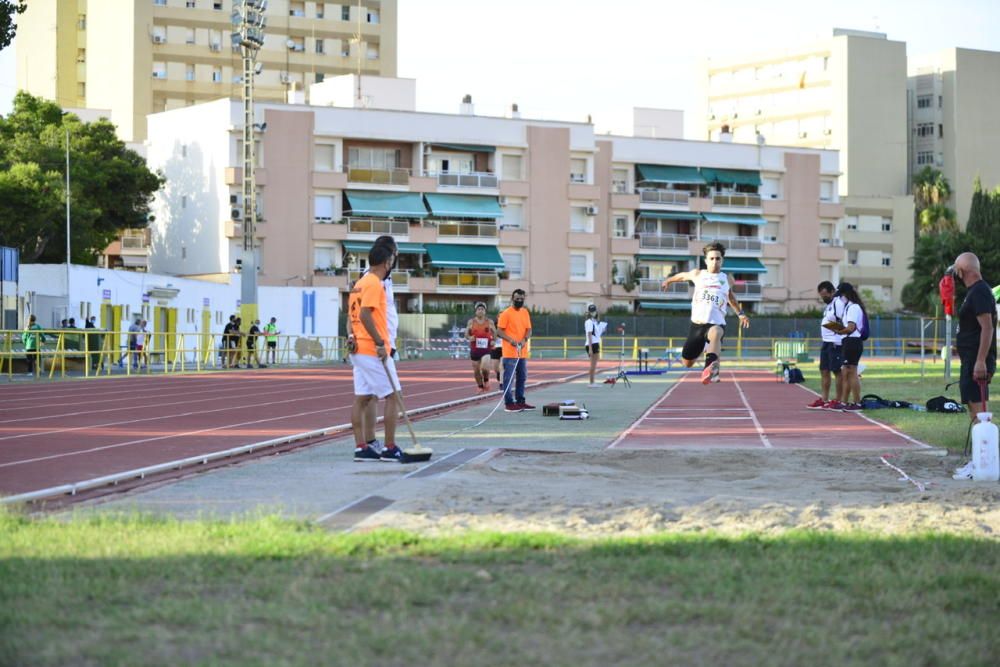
[468, 280]
[656, 196]
[737, 200]
[394, 176]
[655, 286]
[400, 278]
[743, 243]
[833, 243]
[747, 289]
[472, 179]
[134, 243]
[473, 229]
[378, 226]
[664, 241]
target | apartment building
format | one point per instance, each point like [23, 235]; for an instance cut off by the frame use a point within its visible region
[135, 57]
[482, 205]
[952, 96]
[846, 93]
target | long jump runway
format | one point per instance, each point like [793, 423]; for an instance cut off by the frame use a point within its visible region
[56, 433]
[750, 409]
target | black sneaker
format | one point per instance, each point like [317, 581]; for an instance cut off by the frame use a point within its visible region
[392, 454]
[365, 454]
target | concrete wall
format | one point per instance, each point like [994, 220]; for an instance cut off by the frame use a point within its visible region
[548, 209]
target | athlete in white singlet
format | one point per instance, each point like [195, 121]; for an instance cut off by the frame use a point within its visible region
[708, 311]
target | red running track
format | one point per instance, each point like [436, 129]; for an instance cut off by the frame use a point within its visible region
[752, 409]
[64, 432]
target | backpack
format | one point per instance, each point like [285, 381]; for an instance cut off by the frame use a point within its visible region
[875, 402]
[943, 404]
[795, 375]
[863, 327]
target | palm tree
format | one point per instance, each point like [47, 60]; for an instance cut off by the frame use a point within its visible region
[930, 187]
[936, 219]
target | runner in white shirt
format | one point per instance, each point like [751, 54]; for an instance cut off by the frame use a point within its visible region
[708, 311]
[853, 318]
[830, 354]
[593, 328]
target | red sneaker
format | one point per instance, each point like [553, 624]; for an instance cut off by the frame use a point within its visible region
[817, 404]
[851, 407]
[835, 406]
[711, 373]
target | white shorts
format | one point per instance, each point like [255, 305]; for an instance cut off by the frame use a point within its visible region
[369, 376]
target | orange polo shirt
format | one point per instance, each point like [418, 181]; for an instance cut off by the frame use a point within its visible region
[515, 323]
[368, 292]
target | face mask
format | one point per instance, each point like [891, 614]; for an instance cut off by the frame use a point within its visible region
[827, 299]
[388, 272]
[518, 303]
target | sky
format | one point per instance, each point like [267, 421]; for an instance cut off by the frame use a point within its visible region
[567, 59]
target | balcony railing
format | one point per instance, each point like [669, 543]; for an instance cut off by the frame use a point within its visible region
[395, 176]
[675, 197]
[475, 179]
[833, 243]
[664, 241]
[470, 280]
[134, 243]
[744, 243]
[399, 278]
[655, 287]
[487, 230]
[747, 289]
[737, 200]
[378, 226]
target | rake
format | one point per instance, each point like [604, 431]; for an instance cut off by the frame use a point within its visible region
[418, 453]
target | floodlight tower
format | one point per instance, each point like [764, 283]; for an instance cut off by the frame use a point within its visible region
[248, 34]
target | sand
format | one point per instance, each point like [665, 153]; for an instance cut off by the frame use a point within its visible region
[727, 492]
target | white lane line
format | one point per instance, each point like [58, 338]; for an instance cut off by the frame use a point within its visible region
[700, 410]
[627, 432]
[701, 419]
[753, 415]
[888, 428]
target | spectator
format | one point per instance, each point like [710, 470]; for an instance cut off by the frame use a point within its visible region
[514, 327]
[594, 328]
[272, 333]
[32, 338]
[227, 335]
[854, 317]
[235, 334]
[830, 354]
[132, 356]
[252, 335]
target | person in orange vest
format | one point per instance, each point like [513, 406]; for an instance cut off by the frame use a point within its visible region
[514, 327]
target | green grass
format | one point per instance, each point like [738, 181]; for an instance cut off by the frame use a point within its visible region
[902, 382]
[139, 590]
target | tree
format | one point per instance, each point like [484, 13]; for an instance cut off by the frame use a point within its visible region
[932, 254]
[931, 191]
[8, 8]
[110, 185]
[937, 219]
[983, 229]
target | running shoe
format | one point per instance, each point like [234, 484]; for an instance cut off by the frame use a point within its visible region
[965, 472]
[527, 406]
[850, 407]
[711, 373]
[365, 454]
[392, 454]
[592, 385]
[835, 406]
[513, 407]
[818, 404]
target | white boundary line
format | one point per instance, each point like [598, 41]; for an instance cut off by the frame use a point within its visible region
[678, 419]
[624, 434]
[753, 415]
[888, 428]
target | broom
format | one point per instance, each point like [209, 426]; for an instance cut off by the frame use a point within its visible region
[418, 453]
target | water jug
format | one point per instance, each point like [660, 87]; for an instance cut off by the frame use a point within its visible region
[985, 454]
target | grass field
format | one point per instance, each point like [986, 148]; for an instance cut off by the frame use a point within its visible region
[902, 382]
[117, 591]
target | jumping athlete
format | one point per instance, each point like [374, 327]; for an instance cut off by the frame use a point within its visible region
[480, 332]
[708, 311]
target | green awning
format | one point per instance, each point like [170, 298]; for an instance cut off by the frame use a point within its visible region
[656, 173]
[735, 219]
[735, 176]
[665, 305]
[668, 215]
[466, 148]
[743, 265]
[463, 206]
[457, 256]
[663, 258]
[386, 204]
[404, 248]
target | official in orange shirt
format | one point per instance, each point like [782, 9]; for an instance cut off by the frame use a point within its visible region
[368, 312]
[514, 327]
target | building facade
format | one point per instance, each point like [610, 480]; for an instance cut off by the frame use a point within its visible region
[482, 205]
[952, 95]
[846, 93]
[135, 57]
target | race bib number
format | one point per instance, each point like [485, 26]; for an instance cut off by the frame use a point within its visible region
[482, 343]
[712, 298]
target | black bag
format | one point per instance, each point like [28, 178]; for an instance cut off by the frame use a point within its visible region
[795, 375]
[875, 402]
[943, 404]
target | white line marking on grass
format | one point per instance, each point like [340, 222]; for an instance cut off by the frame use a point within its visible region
[753, 415]
[888, 428]
[627, 432]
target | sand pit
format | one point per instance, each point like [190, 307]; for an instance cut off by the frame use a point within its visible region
[615, 493]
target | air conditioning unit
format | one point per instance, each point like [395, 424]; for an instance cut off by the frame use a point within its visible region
[770, 239]
[803, 135]
[236, 214]
[215, 46]
[234, 199]
[502, 199]
[159, 39]
[590, 210]
[283, 77]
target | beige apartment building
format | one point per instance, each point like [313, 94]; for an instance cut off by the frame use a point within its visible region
[482, 205]
[846, 93]
[953, 96]
[136, 57]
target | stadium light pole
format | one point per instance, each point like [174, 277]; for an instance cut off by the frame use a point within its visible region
[248, 34]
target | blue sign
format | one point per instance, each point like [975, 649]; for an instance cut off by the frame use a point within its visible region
[145, 298]
[106, 294]
[206, 302]
[9, 261]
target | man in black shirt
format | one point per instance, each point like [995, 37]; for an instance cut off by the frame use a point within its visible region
[251, 341]
[977, 333]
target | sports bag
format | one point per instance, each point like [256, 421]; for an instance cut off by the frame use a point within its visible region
[944, 404]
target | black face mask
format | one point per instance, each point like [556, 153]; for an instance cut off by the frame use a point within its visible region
[518, 303]
[388, 272]
[827, 299]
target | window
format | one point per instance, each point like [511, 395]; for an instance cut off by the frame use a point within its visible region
[345, 13]
[773, 277]
[189, 36]
[319, 46]
[577, 170]
[826, 190]
[217, 5]
[886, 224]
[81, 21]
[577, 266]
[81, 89]
[189, 72]
[189, 4]
[770, 188]
[852, 257]
[159, 34]
[851, 222]
[925, 129]
[940, 101]
[619, 180]
[297, 9]
[324, 157]
[579, 221]
[925, 157]
[161, 3]
[323, 208]
[619, 271]
[159, 70]
[372, 53]
[320, 12]
[514, 263]
[184, 201]
[940, 131]
[345, 48]
[373, 158]
[372, 16]
[81, 55]
[924, 101]
[772, 232]
[513, 216]
[323, 257]
[620, 227]
[511, 165]
[886, 260]
[216, 74]
[319, 77]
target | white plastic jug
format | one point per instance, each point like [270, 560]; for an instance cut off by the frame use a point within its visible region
[985, 453]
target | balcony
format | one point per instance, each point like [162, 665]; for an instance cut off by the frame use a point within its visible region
[736, 200]
[378, 226]
[329, 231]
[468, 281]
[476, 179]
[747, 290]
[395, 176]
[479, 230]
[654, 287]
[669, 197]
[664, 242]
[740, 244]
[832, 243]
[400, 279]
[134, 245]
